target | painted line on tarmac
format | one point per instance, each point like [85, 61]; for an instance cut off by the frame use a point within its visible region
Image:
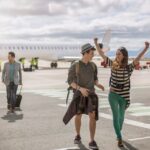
[139, 87]
[141, 114]
[140, 109]
[63, 105]
[137, 139]
[62, 90]
[128, 121]
[68, 148]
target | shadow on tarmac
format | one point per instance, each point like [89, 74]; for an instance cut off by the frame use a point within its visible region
[12, 117]
[81, 147]
[128, 146]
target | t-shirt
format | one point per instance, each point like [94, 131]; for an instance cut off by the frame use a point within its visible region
[120, 79]
[87, 75]
[12, 70]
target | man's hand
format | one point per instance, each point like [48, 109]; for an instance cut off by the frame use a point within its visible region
[84, 91]
[100, 87]
[147, 45]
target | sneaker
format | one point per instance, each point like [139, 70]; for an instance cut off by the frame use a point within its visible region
[12, 110]
[8, 106]
[77, 139]
[93, 145]
[120, 143]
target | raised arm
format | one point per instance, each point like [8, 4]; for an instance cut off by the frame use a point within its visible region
[101, 53]
[137, 59]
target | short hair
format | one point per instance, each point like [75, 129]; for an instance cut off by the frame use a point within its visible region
[12, 54]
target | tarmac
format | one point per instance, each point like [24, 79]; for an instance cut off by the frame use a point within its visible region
[38, 125]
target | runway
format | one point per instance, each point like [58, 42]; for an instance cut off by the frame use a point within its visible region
[39, 126]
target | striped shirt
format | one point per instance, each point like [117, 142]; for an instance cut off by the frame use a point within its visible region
[120, 79]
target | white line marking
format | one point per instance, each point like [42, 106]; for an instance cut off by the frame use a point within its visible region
[104, 106]
[140, 114]
[68, 148]
[140, 108]
[142, 138]
[100, 94]
[135, 104]
[128, 121]
[103, 100]
[140, 87]
[63, 105]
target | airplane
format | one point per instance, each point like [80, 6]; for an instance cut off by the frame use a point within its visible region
[49, 52]
[43, 51]
[53, 52]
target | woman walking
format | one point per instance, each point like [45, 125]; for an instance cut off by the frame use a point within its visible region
[119, 95]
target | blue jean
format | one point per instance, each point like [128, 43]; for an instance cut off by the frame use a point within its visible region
[11, 94]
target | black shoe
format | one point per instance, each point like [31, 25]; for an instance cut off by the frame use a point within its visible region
[93, 145]
[12, 110]
[120, 143]
[77, 139]
[8, 106]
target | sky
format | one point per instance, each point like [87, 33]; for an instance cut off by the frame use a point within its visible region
[76, 21]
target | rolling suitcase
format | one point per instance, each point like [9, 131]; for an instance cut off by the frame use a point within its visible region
[18, 98]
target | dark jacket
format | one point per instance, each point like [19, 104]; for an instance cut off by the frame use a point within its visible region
[88, 104]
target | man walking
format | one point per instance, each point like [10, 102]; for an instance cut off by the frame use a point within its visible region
[11, 77]
[82, 78]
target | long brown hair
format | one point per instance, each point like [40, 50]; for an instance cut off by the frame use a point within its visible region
[124, 62]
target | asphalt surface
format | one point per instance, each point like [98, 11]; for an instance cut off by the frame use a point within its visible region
[38, 125]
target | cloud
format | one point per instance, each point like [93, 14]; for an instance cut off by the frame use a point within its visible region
[80, 20]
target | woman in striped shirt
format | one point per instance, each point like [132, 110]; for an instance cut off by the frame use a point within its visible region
[119, 95]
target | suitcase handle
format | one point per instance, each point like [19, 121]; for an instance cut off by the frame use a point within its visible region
[20, 90]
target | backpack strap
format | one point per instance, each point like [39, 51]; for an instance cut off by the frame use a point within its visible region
[77, 68]
[93, 66]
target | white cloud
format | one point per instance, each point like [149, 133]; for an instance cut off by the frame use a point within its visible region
[79, 20]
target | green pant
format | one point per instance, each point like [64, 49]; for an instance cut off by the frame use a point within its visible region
[118, 105]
